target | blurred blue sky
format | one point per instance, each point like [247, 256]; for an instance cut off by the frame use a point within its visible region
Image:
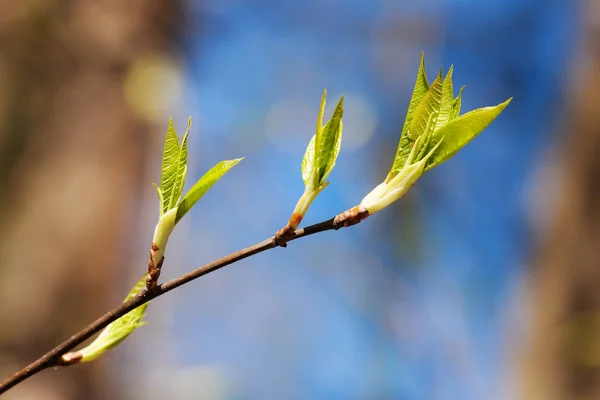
[418, 301]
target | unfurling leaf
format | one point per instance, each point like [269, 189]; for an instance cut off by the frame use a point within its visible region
[117, 331]
[430, 105]
[172, 206]
[181, 168]
[447, 100]
[170, 163]
[203, 185]
[318, 161]
[462, 130]
[328, 142]
[420, 90]
[456, 103]
[324, 147]
[308, 161]
[432, 133]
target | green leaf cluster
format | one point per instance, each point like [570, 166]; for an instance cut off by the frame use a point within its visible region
[433, 121]
[319, 159]
[174, 171]
[433, 132]
[172, 207]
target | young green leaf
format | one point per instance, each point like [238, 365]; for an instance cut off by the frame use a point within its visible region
[447, 100]
[203, 185]
[462, 130]
[456, 104]
[117, 331]
[181, 168]
[429, 105]
[308, 161]
[170, 164]
[324, 147]
[420, 90]
[318, 161]
[321, 112]
[327, 145]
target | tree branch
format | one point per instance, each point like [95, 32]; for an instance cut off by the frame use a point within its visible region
[54, 357]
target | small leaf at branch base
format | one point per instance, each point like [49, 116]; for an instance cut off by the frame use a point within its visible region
[203, 185]
[117, 331]
[420, 90]
[461, 131]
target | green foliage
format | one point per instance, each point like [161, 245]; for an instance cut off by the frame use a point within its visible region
[432, 133]
[174, 172]
[308, 161]
[433, 110]
[170, 166]
[319, 159]
[117, 331]
[172, 209]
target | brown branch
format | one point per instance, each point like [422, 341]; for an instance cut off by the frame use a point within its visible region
[54, 357]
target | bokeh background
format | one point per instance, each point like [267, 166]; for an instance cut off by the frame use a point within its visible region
[481, 283]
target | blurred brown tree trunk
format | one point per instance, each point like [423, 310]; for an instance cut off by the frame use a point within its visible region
[562, 359]
[71, 162]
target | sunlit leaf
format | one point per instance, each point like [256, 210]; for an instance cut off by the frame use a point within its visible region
[181, 168]
[169, 165]
[447, 101]
[117, 331]
[324, 147]
[308, 161]
[429, 105]
[456, 104]
[336, 150]
[420, 90]
[203, 185]
[327, 144]
[319, 127]
[461, 131]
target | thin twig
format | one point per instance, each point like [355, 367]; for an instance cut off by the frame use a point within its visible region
[53, 357]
